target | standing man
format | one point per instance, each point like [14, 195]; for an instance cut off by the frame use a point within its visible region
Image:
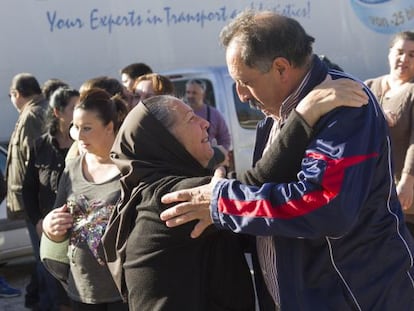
[331, 234]
[26, 96]
[195, 92]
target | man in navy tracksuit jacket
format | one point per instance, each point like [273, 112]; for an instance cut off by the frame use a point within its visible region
[337, 228]
[339, 233]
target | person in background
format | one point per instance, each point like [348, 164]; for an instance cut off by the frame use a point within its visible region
[88, 191]
[52, 85]
[129, 75]
[195, 92]
[26, 96]
[152, 84]
[6, 291]
[112, 86]
[115, 89]
[133, 71]
[395, 93]
[329, 231]
[46, 164]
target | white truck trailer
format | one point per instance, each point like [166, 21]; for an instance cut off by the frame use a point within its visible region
[78, 39]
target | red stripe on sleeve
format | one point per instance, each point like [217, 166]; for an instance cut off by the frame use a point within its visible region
[331, 186]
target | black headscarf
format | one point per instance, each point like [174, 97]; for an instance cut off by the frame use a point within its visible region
[146, 151]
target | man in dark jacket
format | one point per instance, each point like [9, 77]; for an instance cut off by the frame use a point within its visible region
[330, 234]
[26, 96]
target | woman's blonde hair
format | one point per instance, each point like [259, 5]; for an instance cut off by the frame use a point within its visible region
[161, 84]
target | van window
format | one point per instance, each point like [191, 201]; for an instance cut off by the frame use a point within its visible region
[248, 117]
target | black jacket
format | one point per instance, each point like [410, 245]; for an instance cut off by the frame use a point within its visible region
[46, 164]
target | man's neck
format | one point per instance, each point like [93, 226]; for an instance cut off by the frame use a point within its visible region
[299, 78]
[197, 106]
[299, 73]
[22, 105]
[25, 100]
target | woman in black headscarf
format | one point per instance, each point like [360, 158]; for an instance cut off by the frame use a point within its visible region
[163, 146]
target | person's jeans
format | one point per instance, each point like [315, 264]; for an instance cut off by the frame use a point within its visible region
[46, 284]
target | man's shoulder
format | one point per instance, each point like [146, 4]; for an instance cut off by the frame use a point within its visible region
[37, 105]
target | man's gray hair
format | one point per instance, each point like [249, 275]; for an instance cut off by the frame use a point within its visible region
[162, 108]
[264, 36]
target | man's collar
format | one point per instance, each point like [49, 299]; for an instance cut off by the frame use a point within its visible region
[293, 99]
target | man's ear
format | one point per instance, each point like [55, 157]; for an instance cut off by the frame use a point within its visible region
[17, 94]
[280, 65]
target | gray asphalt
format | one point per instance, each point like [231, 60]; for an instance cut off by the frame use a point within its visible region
[17, 274]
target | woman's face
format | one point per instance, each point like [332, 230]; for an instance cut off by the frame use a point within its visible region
[191, 131]
[90, 132]
[401, 59]
[66, 116]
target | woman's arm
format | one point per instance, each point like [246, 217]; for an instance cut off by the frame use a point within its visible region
[58, 221]
[286, 152]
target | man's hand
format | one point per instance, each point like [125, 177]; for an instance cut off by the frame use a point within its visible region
[329, 95]
[195, 205]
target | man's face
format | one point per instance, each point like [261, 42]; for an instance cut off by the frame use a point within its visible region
[194, 95]
[16, 99]
[253, 85]
[401, 59]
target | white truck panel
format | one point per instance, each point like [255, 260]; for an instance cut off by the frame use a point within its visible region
[78, 39]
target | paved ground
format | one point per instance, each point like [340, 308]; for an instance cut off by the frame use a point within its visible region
[17, 273]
